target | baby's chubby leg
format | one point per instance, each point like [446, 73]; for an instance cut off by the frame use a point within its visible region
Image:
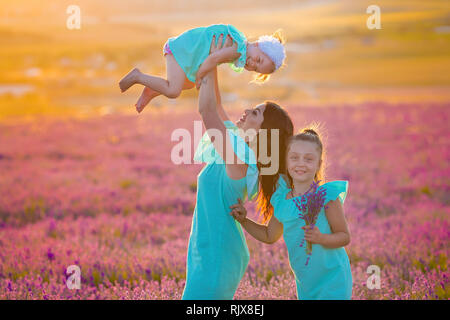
[171, 87]
[148, 94]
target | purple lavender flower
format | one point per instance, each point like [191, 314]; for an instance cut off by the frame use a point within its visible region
[309, 205]
[50, 255]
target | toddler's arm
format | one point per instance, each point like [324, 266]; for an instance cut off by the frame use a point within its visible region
[269, 233]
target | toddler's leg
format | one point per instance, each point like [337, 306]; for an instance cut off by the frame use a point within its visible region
[148, 94]
[171, 87]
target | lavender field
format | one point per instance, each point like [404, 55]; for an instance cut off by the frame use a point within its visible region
[102, 193]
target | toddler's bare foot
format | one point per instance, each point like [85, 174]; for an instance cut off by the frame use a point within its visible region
[129, 79]
[147, 95]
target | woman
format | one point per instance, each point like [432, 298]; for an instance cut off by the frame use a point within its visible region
[217, 253]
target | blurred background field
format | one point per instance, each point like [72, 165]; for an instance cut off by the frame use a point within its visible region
[103, 194]
[332, 56]
[85, 180]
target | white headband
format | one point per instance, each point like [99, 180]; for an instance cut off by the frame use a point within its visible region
[273, 48]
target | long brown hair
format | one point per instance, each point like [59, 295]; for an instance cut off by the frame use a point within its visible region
[274, 118]
[315, 134]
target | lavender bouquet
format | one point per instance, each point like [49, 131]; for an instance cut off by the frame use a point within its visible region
[309, 206]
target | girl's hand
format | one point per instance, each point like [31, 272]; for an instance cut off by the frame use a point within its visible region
[313, 235]
[239, 212]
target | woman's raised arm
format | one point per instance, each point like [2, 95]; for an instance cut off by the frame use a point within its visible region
[218, 53]
[220, 109]
[217, 131]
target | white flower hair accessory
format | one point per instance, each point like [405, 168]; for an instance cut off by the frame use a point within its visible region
[273, 48]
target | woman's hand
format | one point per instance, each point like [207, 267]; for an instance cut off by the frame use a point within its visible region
[239, 212]
[216, 55]
[313, 235]
[228, 43]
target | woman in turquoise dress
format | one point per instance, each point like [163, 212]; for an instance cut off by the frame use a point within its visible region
[188, 59]
[325, 274]
[217, 254]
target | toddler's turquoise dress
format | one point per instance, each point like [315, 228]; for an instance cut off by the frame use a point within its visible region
[327, 275]
[217, 254]
[192, 47]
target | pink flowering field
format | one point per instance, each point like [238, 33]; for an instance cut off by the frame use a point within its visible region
[102, 193]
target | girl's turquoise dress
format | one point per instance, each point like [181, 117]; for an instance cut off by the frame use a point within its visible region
[217, 252]
[192, 47]
[327, 275]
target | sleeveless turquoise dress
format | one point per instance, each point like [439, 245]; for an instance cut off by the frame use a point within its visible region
[217, 254]
[327, 275]
[191, 47]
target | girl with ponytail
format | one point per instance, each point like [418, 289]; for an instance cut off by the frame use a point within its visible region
[326, 274]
